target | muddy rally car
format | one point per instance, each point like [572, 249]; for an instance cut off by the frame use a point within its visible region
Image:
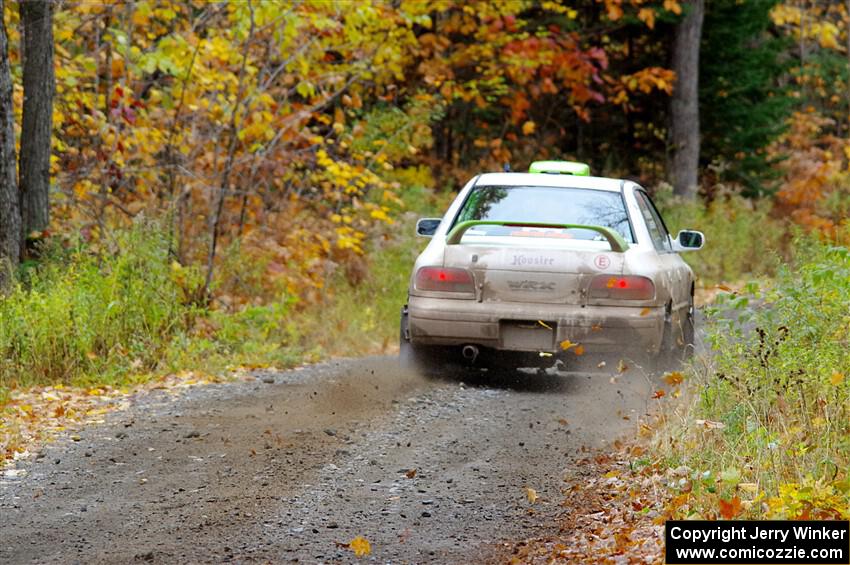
[528, 269]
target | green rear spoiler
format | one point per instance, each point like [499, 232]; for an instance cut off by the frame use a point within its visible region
[615, 240]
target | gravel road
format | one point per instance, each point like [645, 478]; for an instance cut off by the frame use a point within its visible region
[293, 465]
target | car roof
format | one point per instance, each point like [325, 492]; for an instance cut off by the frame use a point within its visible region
[547, 179]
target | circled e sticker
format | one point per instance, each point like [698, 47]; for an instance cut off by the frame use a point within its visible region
[602, 262]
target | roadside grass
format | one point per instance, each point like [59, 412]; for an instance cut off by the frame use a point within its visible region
[364, 318]
[766, 432]
[92, 318]
[742, 238]
[353, 318]
[761, 430]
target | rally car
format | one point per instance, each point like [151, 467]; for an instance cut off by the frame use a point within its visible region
[529, 268]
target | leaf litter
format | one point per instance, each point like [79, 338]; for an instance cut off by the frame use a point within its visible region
[35, 416]
[615, 514]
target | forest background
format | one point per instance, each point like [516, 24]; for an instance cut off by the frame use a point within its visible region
[225, 184]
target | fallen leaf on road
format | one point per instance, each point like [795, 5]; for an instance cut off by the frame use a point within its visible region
[33, 416]
[622, 367]
[531, 494]
[566, 344]
[607, 520]
[659, 393]
[410, 474]
[360, 546]
[579, 350]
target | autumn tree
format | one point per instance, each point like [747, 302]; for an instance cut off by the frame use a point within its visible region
[37, 122]
[743, 92]
[10, 218]
[684, 107]
[528, 80]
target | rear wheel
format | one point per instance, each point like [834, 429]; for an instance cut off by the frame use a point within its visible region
[677, 345]
[689, 331]
[669, 354]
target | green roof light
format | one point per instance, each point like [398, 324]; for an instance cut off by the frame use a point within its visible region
[560, 168]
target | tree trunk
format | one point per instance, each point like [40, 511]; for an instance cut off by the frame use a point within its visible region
[10, 214]
[685, 102]
[37, 122]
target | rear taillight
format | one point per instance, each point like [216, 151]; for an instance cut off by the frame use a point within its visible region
[443, 279]
[627, 287]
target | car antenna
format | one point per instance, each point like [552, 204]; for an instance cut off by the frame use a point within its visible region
[507, 167]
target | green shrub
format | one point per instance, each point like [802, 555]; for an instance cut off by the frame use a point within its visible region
[78, 314]
[255, 335]
[362, 317]
[742, 239]
[777, 386]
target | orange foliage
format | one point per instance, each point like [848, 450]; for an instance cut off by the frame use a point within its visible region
[284, 131]
[816, 180]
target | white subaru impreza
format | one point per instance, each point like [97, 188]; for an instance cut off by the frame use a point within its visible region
[527, 267]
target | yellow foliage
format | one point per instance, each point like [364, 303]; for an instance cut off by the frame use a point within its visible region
[811, 499]
[266, 119]
[647, 15]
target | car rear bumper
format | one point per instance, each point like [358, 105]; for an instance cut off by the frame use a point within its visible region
[518, 327]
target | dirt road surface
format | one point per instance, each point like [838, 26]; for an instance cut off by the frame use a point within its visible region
[292, 466]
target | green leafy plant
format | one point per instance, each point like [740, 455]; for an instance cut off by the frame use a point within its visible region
[772, 405]
[81, 313]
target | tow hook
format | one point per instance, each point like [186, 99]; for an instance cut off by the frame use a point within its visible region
[470, 353]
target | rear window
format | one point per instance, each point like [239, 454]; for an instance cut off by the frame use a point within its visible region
[546, 205]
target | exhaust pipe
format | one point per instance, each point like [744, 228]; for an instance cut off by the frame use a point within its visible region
[470, 353]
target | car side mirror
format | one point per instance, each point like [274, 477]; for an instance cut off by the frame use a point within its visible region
[688, 240]
[427, 227]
